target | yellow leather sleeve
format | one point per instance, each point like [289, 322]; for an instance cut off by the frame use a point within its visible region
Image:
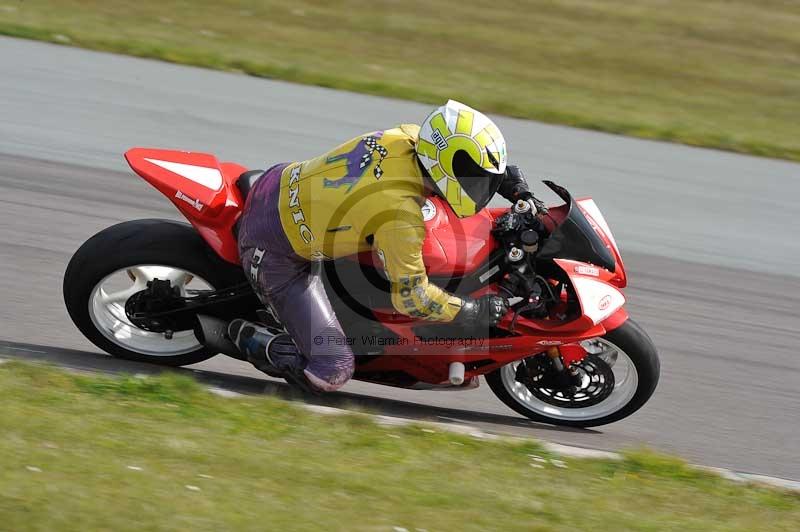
[399, 245]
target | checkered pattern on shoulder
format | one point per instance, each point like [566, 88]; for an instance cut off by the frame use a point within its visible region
[372, 144]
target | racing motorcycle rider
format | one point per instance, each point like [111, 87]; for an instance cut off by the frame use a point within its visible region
[364, 195]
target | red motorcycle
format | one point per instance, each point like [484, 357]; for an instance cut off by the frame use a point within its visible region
[566, 353]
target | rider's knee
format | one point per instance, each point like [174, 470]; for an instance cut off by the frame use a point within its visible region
[330, 383]
[331, 363]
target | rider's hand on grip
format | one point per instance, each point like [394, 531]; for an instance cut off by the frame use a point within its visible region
[485, 311]
[517, 189]
[537, 205]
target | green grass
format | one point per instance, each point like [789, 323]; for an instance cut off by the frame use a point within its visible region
[720, 73]
[100, 453]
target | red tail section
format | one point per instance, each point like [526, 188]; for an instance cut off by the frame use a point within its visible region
[201, 187]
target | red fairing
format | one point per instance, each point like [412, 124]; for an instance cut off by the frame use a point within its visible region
[203, 189]
[453, 245]
[599, 297]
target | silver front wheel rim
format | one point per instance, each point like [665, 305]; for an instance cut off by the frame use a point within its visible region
[626, 381]
[107, 309]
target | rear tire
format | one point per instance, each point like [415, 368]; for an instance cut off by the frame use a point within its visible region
[632, 341]
[130, 244]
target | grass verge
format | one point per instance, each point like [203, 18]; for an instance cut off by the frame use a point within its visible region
[101, 453]
[719, 73]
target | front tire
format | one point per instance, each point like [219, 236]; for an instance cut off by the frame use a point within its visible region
[629, 346]
[141, 249]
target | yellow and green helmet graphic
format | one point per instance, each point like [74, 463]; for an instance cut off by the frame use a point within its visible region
[454, 128]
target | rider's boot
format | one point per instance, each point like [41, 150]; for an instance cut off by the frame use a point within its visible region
[274, 354]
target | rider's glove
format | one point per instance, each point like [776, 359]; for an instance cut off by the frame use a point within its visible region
[486, 311]
[513, 183]
[514, 188]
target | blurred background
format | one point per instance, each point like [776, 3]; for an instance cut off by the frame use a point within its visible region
[585, 92]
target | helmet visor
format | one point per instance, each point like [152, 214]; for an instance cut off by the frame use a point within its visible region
[478, 183]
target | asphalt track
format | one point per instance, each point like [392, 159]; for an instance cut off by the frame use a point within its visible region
[708, 238]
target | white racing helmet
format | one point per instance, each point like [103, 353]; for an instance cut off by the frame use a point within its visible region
[464, 153]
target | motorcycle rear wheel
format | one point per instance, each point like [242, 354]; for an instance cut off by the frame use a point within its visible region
[142, 250]
[636, 367]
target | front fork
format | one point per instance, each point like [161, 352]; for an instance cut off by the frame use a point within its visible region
[555, 358]
[556, 375]
[565, 376]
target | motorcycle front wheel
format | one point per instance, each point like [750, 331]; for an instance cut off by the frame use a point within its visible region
[118, 262]
[616, 378]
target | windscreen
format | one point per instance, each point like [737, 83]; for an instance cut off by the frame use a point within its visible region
[574, 238]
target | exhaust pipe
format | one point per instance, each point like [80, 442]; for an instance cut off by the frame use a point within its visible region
[213, 333]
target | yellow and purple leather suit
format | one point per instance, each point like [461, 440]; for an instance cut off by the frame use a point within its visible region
[363, 195]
